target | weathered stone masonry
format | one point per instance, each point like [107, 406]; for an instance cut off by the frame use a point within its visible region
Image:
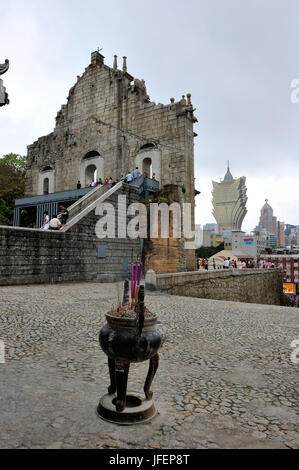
[30, 256]
[110, 125]
[251, 286]
[110, 113]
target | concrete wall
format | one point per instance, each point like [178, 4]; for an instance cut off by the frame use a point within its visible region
[251, 285]
[37, 256]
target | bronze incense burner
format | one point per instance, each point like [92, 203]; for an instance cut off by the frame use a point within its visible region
[129, 336]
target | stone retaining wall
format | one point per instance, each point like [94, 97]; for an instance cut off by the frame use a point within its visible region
[252, 285]
[30, 256]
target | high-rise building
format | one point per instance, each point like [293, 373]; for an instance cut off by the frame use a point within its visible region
[281, 242]
[292, 239]
[263, 238]
[288, 228]
[229, 202]
[267, 220]
[274, 227]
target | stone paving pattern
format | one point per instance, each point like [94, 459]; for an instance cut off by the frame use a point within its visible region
[225, 378]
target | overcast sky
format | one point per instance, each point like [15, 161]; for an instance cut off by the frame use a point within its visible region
[236, 57]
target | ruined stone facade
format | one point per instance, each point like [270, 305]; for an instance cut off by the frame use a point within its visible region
[109, 125]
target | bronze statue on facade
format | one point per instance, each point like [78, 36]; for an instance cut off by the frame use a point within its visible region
[3, 95]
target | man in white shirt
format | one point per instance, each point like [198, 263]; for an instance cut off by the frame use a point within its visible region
[55, 223]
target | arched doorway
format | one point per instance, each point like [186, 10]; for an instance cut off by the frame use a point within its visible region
[92, 168]
[147, 167]
[90, 174]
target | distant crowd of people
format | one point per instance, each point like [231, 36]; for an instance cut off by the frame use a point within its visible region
[128, 178]
[265, 264]
[227, 263]
[231, 263]
[57, 221]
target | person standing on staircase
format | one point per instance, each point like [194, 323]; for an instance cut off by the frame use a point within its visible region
[63, 215]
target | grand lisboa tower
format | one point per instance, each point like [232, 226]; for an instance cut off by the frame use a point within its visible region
[229, 202]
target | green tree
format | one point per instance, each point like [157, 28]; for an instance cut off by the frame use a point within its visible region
[12, 184]
[208, 251]
[6, 213]
[14, 161]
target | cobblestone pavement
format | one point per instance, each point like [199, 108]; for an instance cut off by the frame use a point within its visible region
[225, 378]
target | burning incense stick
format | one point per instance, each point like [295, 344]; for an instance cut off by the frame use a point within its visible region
[118, 297]
[139, 270]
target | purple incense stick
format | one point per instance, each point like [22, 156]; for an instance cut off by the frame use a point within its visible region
[132, 282]
[135, 280]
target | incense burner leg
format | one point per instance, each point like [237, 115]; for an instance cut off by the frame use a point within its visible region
[154, 364]
[111, 365]
[121, 376]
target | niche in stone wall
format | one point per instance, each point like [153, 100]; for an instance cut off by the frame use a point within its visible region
[148, 161]
[46, 186]
[90, 174]
[147, 167]
[46, 181]
[92, 168]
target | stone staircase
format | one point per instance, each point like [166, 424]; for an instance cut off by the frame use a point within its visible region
[87, 203]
